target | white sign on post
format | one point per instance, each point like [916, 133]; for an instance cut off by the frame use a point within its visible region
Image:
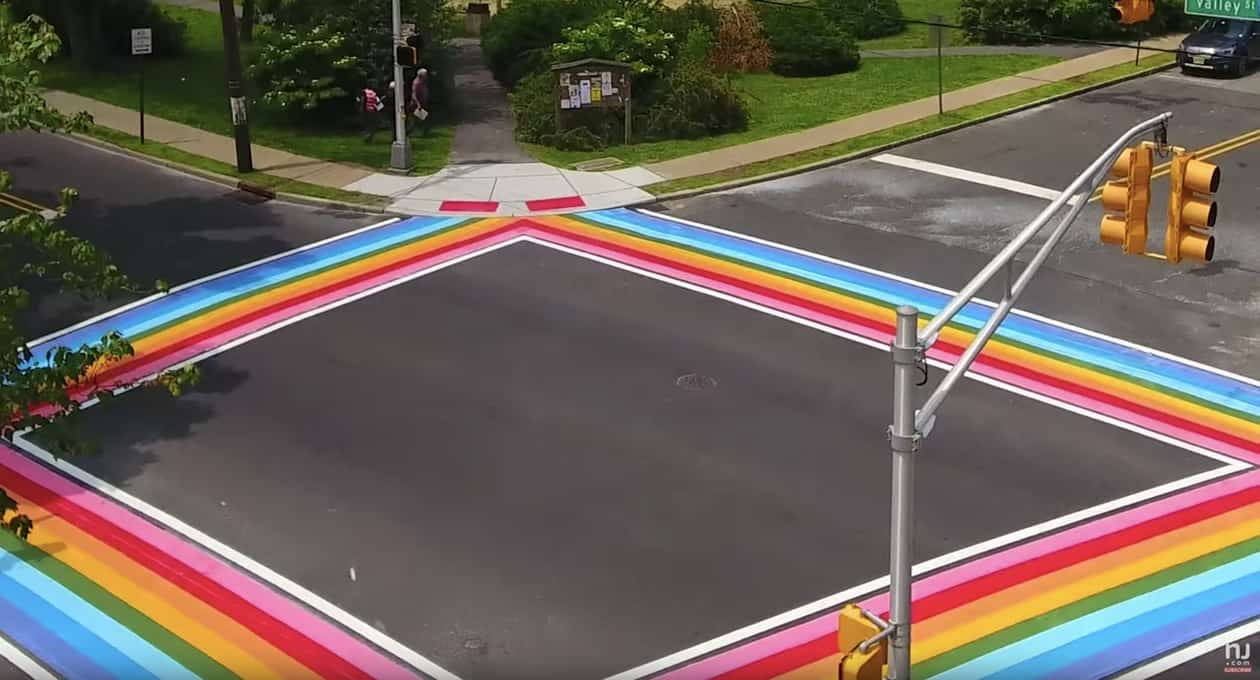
[408, 30]
[141, 41]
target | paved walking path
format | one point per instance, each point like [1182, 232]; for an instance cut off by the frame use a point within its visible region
[476, 187]
[856, 126]
[485, 131]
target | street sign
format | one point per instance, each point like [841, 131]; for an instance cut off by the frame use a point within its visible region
[1225, 9]
[408, 30]
[143, 40]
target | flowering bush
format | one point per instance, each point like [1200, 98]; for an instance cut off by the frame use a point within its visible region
[307, 72]
[621, 35]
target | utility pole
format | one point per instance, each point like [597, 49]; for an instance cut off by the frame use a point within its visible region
[400, 152]
[236, 86]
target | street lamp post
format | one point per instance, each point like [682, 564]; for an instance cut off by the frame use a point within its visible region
[400, 152]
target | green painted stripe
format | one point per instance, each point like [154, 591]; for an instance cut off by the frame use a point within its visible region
[956, 324]
[1128, 591]
[172, 645]
[285, 282]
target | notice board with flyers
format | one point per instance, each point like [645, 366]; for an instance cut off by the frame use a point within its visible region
[591, 84]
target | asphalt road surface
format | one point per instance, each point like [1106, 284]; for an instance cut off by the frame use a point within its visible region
[941, 229]
[503, 455]
[156, 223]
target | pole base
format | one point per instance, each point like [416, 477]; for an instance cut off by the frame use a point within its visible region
[400, 156]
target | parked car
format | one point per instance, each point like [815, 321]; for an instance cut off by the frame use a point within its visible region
[1221, 46]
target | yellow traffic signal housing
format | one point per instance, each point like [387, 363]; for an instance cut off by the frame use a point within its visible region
[1191, 211]
[1130, 198]
[1132, 11]
[854, 663]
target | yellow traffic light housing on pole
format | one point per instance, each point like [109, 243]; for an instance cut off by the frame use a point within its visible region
[855, 632]
[1191, 211]
[1132, 11]
[1130, 199]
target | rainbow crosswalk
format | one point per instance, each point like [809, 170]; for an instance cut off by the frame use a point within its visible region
[101, 592]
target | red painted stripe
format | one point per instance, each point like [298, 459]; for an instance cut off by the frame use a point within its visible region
[156, 355]
[963, 593]
[288, 640]
[469, 206]
[556, 203]
[785, 661]
[941, 346]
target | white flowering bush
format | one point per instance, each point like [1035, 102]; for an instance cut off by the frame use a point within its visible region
[628, 35]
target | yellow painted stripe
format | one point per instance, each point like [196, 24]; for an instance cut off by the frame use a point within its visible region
[216, 635]
[983, 623]
[16, 206]
[997, 348]
[197, 324]
[32, 206]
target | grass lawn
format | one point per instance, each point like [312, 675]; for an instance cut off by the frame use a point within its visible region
[916, 35]
[780, 105]
[191, 90]
[904, 133]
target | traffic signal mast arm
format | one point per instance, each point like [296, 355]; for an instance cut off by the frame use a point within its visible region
[911, 426]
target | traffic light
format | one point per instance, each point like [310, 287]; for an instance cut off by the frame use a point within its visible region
[1191, 210]
[405, 55]
[1130, 198]
[1132, 11]
[854, 663]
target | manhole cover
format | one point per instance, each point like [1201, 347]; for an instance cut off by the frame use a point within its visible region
[694, 382]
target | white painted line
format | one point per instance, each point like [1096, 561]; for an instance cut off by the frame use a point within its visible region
[210, 277]
[1014, 186]
[978, 300]
[23, 662]
[1215, 643]
[871, 587]
[290, 588]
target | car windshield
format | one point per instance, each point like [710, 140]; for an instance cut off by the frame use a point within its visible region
[1230, 27]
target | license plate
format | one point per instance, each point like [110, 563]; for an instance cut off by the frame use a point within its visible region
[1200, 60]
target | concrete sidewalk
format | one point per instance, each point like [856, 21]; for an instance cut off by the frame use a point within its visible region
[207, 144]
[867, 123]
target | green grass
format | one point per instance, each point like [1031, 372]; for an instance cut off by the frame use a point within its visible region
[190, 89]
[909, 131]
[781, 105]
[279, 184]
[916, 35]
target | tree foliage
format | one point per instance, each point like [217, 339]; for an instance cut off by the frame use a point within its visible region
[316, 55]
[93, 32]
[37, 252]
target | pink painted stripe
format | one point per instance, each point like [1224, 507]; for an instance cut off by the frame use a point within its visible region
[469, 206]
[825, 624]
[556, 203]
[209, 344]
[323, 633]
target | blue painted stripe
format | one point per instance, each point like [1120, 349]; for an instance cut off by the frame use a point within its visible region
[1203, 384]
[1010, 660]
[53, 651]
[1132, 618]
[1164, 639]
[114, 645]
[188, 300]
[110, 660]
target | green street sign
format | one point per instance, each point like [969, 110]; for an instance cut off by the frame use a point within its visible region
[1225, 9]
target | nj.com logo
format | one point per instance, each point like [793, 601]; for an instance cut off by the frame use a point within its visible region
[1238, 657]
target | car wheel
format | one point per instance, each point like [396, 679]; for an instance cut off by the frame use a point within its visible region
[1240, 67]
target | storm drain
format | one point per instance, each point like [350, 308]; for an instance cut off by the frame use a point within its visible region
[694, 382]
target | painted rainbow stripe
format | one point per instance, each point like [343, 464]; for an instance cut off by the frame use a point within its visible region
[1085, 602]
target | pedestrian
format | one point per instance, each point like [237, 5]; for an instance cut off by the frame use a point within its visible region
[370, 106]
[419, 101]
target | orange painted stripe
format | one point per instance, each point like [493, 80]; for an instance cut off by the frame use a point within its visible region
[216, 635]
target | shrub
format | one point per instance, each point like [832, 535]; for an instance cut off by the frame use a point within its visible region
[317, 54]
[1002, 21]
[741, 41]
[517, 40]
[806, 42]
[625, 35]
[682, 19]
[696, 102]
[533, 107]
[865, 19]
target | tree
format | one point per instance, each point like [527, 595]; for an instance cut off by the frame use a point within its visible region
[38, 253]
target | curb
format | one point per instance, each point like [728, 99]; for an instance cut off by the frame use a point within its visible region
[233, 182]
[871, 151]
